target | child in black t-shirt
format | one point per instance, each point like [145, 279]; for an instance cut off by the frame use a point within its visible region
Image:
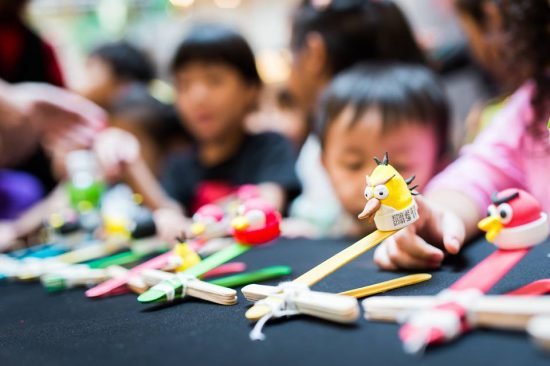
[217, 85]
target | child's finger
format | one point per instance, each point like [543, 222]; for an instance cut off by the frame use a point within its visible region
[453, 233]
[407, 241]
[403, 259]
[382, 259]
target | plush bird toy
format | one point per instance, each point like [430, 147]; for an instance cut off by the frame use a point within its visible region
[515, 220]
[209, 222]
[389, 198]
[185, 255]
[515, 224]
[257, 222]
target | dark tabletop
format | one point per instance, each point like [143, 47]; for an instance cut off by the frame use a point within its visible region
[37, 328]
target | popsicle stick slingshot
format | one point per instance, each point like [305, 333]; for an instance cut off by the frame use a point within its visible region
[390, 201]
[153, 277]
[291, 299]
[515, 224]
[257, 223]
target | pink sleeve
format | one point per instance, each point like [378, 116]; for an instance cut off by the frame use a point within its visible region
[494, 161]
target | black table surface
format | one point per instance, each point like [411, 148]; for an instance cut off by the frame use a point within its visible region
[37, 328]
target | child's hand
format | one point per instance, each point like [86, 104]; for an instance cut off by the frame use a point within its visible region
[116, 148]
[418, 245]
[170, 223]
[8, 235]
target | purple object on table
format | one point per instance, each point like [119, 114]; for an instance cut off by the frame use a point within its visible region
[18, 192]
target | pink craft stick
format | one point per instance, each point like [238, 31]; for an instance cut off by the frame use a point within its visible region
[110, 286]
[226, 269]
[489, 271]
[536, 288]
[482, 277]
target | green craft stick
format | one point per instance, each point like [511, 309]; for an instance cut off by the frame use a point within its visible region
[211, 262]
[118, 259]
[246, 278]
[217, 259]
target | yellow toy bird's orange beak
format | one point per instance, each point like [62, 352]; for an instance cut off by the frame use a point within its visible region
[198, 228]
[492, 226]
[240, 223]
[370, 209]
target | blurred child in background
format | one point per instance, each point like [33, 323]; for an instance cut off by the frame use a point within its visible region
[328, 38]
[155, 124]
[112, 69]
[217, 85]
[371, 109]
[487, 45]
[512, 152]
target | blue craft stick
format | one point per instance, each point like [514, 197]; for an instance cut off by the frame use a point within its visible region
[39, 251]
[48, 252]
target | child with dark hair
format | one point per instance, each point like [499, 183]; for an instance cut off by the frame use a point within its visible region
[217, 85]
[328, 37]
[155, 124]
[375, 108]
[114, 67]
[512, 152]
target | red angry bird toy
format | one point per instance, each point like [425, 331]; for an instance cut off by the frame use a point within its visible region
[208, 222]
[515, 220]
[257, 222]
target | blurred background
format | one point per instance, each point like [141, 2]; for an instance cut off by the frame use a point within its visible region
[74, 27]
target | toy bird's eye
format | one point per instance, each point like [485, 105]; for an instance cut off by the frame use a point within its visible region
[256, 218]
[240, 210]
[492, 210]
[381, 192]
[505, 213]
[368, 193]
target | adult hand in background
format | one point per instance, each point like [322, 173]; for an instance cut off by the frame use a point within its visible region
[61, 116]
[115, 149]
[34, 113]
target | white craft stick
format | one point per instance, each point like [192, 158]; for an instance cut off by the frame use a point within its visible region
[539, 329]
[210, 292]
[255, 293]
[491, 311]
[333, 307]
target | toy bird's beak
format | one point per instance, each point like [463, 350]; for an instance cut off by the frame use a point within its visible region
[198, 228]
[492, 226]
[370, 209]
[240, 223]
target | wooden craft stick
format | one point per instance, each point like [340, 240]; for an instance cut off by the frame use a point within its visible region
[342, 258]
[327, 267]
[213, 261]
[387, 285]
[535, 288]
[515, 224]
[490, 270]
[539, 329]
[90, 252]
[390, 203]
[180, 285]
[107, 287]
[255, 293]
[152, 277]
[79, 275]
[489, 311]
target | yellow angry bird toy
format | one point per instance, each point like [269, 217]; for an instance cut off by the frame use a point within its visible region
[389, 198]
[186, 254]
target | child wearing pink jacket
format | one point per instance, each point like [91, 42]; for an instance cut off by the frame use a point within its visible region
[513, 152]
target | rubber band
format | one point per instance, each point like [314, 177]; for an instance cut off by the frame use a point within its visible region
[286, 292]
